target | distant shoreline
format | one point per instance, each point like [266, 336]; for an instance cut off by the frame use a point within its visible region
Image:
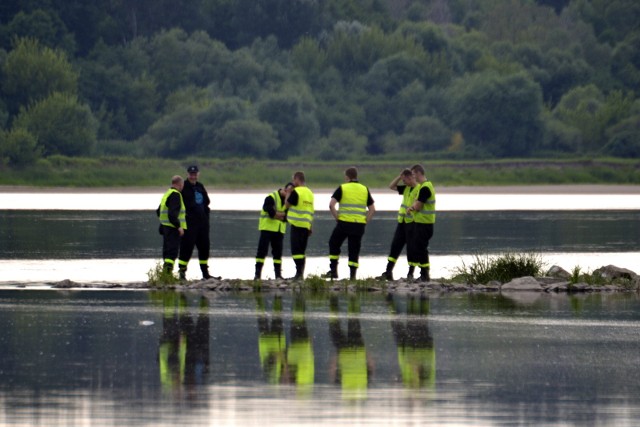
[491, 189]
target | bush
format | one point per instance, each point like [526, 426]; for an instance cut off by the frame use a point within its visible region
[159, 277]
[19, 147]
[503, 268]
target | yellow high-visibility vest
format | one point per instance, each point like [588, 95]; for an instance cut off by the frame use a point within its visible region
[271, 224]
[408, 197]
[164, 210]
[301, 215]
[353, 204]
[427, 215]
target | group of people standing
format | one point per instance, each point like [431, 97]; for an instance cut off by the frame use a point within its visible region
[184, 224]
[184, 219]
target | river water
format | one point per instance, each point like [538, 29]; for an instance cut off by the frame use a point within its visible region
[113, 358]
[87, 237]
[107, 358]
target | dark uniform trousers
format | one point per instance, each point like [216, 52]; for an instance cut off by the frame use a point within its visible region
[170, 243]
[418, 243]
[347, 230]
[273, 238]
[196, 235]
[399, 240]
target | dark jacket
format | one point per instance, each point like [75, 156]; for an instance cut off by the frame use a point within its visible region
[196, 201]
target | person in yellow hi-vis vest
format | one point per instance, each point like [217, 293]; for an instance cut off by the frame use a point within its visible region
[423, 210]
[400, 235]
[416, 351]
[356, 210]
[300, 210]
[272, 226]
[272, 342]
[172, 215]
[353, 368]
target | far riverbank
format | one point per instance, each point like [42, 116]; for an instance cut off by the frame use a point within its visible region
[243, 174]
[466, 189]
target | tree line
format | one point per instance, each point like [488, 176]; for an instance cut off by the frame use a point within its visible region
[319, 79]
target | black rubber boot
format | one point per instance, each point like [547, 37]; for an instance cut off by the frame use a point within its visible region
[205, 272]
[258, 273]
[333, 270]
[388, 274]
[424, 274]
[182, 272]
[299, 269]
[410, 274]
[167, 267]
[277, 268]
[352, 273]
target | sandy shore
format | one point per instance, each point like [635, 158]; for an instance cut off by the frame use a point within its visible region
[509, 189]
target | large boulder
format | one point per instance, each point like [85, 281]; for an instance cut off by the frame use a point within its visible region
[612, 272]
[526, 283]
[559, 272]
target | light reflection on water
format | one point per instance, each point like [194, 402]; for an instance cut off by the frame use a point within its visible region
[385, 199]
[34, 272]
[93, 358]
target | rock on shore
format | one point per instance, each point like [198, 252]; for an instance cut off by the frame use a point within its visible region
[605, 279]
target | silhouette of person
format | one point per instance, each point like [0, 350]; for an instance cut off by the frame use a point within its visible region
[416, 352]
[300, 369]
[271, 339]
[183, 349]
[352, 368]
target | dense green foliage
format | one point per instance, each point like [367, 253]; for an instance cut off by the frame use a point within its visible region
[319, 79]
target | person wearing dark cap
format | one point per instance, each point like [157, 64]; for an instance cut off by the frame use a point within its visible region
[272, 226]
[196, 201]
[300, 210]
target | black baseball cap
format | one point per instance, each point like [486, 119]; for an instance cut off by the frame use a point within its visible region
[192, 169]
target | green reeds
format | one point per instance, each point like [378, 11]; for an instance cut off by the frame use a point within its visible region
[503, 268]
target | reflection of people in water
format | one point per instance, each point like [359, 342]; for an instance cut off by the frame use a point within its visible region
[416, 353]
[183, 351]
[271, 339]
[352, 369]
[299, 368]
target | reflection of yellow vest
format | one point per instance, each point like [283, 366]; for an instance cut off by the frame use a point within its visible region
[169, 378]
[418, 366]
[300, 354]
[271, 224]
[272, 345]
[408, 197]
[301, 215]
[353, 368]
[164, 210]
[353, 204]
[428, 213]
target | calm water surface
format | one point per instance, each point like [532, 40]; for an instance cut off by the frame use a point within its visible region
[143, 358]
[122, 246]
[139, 358]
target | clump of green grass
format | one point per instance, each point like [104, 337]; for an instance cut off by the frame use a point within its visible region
[157, 276]
[503, 268]
[315, 283]
[576, 274]
[579, 276]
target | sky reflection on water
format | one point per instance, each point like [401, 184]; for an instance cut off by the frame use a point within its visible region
[34, 272]
[386, 200]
